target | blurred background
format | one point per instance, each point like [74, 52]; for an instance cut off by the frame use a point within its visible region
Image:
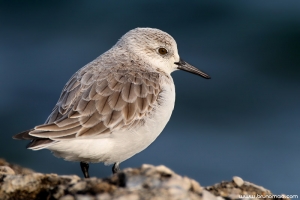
[243, 122]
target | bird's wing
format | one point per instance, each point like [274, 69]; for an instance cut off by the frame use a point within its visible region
[99, 102]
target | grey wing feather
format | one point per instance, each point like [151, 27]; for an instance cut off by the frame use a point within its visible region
[24, 135]
[91, 104]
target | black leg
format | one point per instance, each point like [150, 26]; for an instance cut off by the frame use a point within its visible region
[85, 169]
[116, 168]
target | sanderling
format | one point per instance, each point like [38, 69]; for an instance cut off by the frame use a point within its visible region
[115, 106]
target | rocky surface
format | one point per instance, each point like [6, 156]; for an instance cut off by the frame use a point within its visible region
[146, 182]
[16, 169]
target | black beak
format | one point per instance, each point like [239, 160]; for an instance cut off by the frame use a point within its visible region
[189, 68]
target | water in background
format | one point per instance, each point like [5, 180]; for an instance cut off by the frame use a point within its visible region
[244, 121]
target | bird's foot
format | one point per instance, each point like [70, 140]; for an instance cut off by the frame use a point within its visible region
[85, 169]
[116, 168]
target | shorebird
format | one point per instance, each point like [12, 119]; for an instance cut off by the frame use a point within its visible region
[115, 106]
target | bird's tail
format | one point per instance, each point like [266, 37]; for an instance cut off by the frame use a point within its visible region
[35, 143]
[24, 135]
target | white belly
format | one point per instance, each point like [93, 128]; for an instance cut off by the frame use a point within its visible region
[119, 146]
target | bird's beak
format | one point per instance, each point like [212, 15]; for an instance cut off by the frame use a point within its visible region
[189, 68]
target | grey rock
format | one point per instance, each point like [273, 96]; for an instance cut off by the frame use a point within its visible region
[146, 182]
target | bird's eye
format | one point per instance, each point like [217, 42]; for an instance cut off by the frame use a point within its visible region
[162, 51]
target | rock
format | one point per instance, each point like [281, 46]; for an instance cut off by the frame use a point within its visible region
[238, 181]
[67, 197]
[232, 190]
[16, 168]
[6, 170]
[146, 182]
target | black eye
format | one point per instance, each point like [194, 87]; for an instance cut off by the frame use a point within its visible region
[162, 51]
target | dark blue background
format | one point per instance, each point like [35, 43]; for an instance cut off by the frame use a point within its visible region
[244, 121]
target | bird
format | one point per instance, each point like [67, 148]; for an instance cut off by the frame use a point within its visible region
[115, 106]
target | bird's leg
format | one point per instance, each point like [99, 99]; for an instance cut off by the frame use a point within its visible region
[116, 168]
[85, 169]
